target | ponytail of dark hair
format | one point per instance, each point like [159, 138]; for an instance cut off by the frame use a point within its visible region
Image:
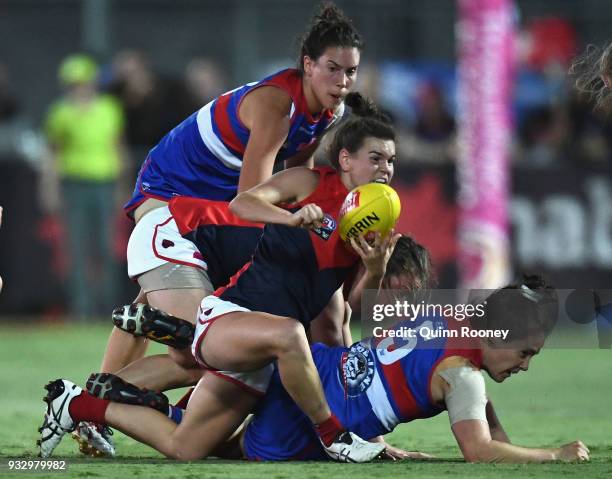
[527, 308]
[329, 27]
[363, 106]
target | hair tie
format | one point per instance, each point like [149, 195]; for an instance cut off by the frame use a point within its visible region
[530, 294]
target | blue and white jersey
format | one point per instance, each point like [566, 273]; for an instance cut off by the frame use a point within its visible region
[371, 387]
[202, 156]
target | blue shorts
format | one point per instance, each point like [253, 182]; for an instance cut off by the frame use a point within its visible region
[280, 431]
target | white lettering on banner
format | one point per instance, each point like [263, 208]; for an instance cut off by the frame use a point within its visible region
[564, 231]
[388, 354]
[600, 196]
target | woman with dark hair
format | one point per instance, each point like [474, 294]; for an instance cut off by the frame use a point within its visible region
[229, 146]
[408, 268]
[259, 318]
[381, 382]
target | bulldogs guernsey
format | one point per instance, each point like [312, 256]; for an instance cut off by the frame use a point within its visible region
[294, 271]
[202, 156]
[371, 387]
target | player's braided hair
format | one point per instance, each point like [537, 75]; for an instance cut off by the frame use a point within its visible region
[366, 120]
[527, 308]
[589, 71]
[329, 27]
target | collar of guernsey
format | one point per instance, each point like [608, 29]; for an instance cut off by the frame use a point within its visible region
[226, 137]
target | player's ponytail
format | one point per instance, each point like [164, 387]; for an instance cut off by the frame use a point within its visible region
[363, 106]
[329, 27]
[526, 308]
[365, 120]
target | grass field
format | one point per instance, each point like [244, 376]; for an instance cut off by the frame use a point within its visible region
[566, 395]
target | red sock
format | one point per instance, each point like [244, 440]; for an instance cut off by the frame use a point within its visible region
[329, 429]
[86, 407]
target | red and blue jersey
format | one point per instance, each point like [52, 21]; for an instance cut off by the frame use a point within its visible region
[224, 241]
[371, 387]
[202, 156]
[294, 272]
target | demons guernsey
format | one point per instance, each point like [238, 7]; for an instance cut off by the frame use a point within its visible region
[294, 271]
[224, 241]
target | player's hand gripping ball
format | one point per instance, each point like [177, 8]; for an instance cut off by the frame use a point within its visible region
[369, 208]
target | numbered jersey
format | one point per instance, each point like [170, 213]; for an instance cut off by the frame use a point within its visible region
[294, 271]
[371, 387]
[202, 156]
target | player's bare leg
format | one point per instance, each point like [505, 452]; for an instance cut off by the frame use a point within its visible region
[122, 348]
[216, 409]
[244, 341]
[159, 372]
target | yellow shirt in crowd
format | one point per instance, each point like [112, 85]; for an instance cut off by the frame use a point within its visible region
[87, 138]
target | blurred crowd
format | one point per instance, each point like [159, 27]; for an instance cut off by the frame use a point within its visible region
[554, 124]
[94, 137]
[86, 152]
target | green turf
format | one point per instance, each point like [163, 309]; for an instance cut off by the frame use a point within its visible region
[566, 395]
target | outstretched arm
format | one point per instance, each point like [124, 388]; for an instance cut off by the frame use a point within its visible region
[477, 429]
[477, 445]
[259, 203]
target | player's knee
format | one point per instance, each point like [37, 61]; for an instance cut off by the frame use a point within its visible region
[187, 456]
[179, 452]
[291, 335]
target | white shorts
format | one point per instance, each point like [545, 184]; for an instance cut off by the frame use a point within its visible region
[156, 241]
[212, 308]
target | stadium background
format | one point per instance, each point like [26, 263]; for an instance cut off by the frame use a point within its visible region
[560, 156]
[560, 210]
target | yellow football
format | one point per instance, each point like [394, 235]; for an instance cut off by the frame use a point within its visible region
[369, 208]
